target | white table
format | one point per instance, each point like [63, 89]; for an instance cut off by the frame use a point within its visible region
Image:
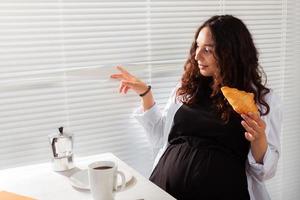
[41, 182]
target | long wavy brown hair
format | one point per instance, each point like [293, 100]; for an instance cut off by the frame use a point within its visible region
[237, 60]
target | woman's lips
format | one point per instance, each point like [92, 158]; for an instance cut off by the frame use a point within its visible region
[201, 66]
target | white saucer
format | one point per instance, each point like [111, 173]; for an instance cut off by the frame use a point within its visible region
[80, 179]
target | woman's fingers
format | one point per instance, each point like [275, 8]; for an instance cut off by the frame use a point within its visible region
[251, 123]
[257, 119]
[128, 81]
[249, 136]
[249, 129]
[121, 87]
[124, 71]
[138, 86]
[117, 76]
[126, 88]
[254, 126]
[125, 75]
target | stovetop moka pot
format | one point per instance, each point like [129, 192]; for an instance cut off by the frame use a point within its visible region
[61, 145]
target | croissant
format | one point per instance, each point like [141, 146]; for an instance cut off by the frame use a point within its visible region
[242, 102]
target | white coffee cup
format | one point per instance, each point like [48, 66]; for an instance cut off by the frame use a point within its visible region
[103, 180]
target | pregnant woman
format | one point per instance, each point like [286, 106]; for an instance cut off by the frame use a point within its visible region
[204, 149]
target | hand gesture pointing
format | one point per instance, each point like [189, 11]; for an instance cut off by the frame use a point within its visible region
[128, 81]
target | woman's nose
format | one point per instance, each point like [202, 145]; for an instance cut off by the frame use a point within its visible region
[197, 55]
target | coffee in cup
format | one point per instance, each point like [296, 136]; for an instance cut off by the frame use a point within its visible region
[102, 167]
[103, 179]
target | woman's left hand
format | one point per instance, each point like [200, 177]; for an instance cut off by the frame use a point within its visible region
[255, 133]
[255, 127]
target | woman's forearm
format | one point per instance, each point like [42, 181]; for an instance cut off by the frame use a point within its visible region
[258, 150]
[148, 101]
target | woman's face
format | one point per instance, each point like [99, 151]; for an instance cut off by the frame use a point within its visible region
[207, 62]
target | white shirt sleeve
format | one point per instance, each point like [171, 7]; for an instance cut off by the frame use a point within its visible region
[153, 121]
[273, 122]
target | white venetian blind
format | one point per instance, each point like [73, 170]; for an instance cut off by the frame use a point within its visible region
[104, 34]
[31, 104]
[290, 160]
[173, 25]
[40, 42]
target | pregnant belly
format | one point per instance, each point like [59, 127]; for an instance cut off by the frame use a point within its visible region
[183, 169]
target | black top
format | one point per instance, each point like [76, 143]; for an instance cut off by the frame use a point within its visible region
[206, 157]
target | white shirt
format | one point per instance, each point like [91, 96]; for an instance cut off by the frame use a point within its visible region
[158, 125]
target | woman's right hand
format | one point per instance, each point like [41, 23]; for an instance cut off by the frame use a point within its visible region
[128, 81]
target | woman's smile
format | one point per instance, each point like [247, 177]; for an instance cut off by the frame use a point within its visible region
[202, 66]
